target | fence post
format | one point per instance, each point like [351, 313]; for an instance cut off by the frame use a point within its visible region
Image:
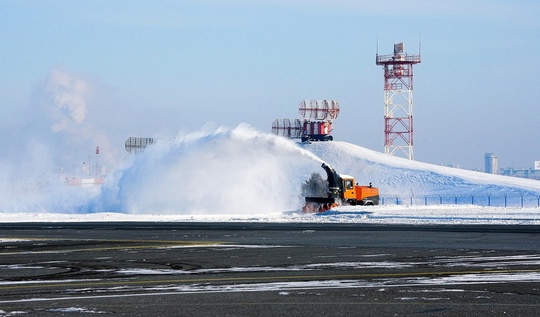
[425, 200]
[455, 200]
[489, 200]
[440, 200]
[521, 200]
[397, 200]
[472, 199]
[505, 204]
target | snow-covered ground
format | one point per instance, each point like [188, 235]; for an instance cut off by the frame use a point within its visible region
[390, 214]
[244, 175]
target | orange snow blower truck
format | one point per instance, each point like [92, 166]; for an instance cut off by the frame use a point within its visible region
[342, 191]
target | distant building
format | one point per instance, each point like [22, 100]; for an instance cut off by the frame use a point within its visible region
[454, 165]
[491, 163]
[524, 172]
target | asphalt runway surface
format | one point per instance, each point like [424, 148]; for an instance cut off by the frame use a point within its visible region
[255, 269]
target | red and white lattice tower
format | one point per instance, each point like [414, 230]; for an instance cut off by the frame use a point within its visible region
[398, 101]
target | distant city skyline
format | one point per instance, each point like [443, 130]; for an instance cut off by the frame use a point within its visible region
[76, 75]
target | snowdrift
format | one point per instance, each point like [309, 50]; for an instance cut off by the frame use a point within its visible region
[399, 176]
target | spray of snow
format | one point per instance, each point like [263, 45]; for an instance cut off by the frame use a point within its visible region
[65, 99]
[227, 171]
[54, 140]
[68, 95]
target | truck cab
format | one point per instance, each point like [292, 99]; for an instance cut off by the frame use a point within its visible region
[359, 195]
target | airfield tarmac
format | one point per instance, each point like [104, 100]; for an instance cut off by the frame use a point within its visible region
[271, 269]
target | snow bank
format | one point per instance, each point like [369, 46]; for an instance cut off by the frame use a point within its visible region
[399, 176]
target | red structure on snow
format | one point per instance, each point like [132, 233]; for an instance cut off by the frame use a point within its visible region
[315, 125]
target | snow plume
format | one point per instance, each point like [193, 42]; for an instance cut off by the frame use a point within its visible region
[67, 94]
[68, 119]
[55, 138]
[227, 171]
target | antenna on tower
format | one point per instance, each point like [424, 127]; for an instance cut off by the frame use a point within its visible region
[419, 44]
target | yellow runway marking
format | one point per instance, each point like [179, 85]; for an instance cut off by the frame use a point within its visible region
[150, 244]
[23, 239]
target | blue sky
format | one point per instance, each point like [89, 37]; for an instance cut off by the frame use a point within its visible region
[156, 68]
